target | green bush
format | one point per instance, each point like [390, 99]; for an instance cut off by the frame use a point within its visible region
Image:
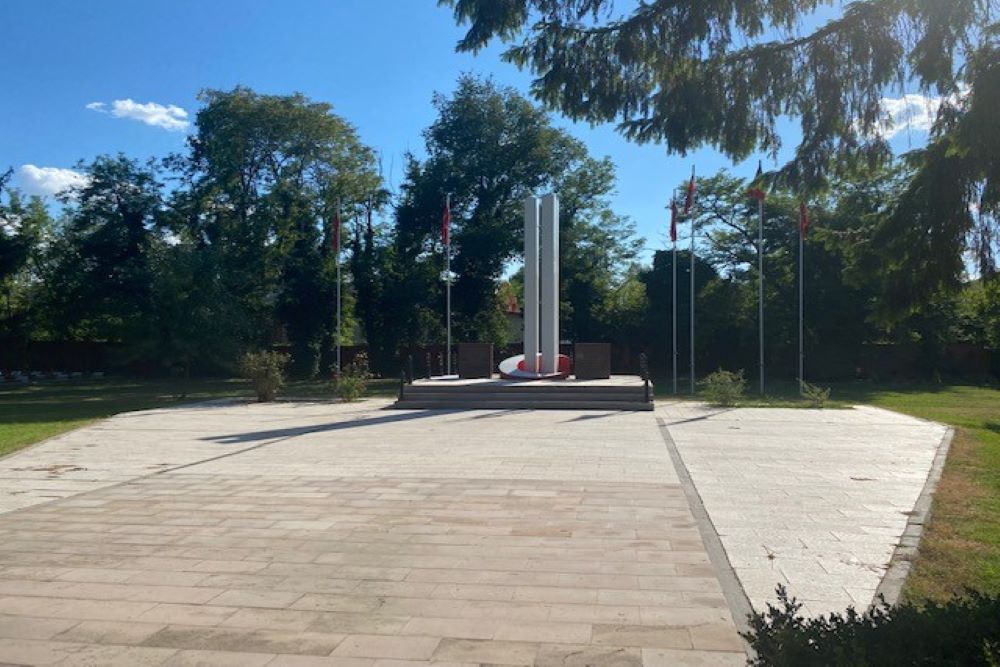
[724, 387]
[266, 370]
[818, 396]
[353, 382]
[962, 631]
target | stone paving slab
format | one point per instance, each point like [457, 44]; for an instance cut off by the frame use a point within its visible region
[348, 535]
[816, 500]
[503, 444]
[135, 444]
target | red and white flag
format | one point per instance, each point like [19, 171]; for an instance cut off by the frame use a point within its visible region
[673, 219]
[756, 191]
[689, 197]
[446, 223]
[803, 219]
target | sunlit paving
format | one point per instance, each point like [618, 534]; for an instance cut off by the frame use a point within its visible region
[556, 333]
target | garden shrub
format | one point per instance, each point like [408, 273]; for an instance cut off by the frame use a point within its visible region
[962, 631]
[818, 396]
[266, 370]
[353, 382]
[724, 388]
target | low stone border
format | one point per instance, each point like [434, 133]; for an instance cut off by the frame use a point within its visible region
[901, 563]
[736, 597]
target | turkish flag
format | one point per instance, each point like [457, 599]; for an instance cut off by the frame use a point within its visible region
[755, 191]
[673, 220]
[446, 223]
[689, 198]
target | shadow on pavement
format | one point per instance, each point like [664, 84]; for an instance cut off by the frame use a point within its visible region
[281, 433]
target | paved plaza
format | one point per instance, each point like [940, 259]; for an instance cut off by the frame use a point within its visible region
[814, 500]
[331, 534]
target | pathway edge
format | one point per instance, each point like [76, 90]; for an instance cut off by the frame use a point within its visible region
[891, 586]
[732, 590]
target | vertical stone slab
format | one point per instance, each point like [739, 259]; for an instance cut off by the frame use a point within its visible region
[550, 284]
[475, 360]
[531, 283]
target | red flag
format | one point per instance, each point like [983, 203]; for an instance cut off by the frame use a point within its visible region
[446, 222]
[803, 219]
[673, 220]
[689, 198]
[755, 191]
[336, 232]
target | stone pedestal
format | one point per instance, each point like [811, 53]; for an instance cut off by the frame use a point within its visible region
[475, 360]
[592, 361]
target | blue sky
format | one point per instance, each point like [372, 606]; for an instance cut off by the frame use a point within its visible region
[377, 61]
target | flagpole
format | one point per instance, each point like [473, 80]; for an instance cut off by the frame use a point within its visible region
[692, 286]
[673, 304]
[336, 258]
[760, 290]
[802, 260]
[447, 278]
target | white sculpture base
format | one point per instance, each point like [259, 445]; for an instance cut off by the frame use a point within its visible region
[516, 368]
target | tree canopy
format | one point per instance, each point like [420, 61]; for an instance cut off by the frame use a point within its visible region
[723, 73]
[184, 263]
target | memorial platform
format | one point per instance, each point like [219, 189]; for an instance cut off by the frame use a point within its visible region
[619, 392]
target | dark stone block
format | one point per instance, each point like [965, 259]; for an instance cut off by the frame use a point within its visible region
[475, 360]
[592, 361]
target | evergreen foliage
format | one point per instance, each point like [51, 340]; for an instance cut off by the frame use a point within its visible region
[722, 73]
[963, 631]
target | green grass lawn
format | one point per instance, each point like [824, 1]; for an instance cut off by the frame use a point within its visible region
[34, 412]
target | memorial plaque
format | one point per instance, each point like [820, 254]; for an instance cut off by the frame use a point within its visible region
[475, 360]
[592, 361]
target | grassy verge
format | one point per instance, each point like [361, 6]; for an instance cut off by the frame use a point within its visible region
[34, 412]
[961, 548]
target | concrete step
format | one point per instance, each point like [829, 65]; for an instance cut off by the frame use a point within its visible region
[523, 388]
[414, 403]
[524, 396]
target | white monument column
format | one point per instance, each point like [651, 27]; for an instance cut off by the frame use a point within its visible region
[531, 284]
[550, 284]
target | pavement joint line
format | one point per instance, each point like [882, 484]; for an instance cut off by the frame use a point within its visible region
[732, 590]
[891, 586]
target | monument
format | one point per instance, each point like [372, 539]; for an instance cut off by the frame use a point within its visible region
[541, 359]
[539, 378]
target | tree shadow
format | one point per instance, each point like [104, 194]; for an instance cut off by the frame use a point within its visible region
[282, 433]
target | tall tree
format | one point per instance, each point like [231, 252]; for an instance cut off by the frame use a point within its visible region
[268, 174]
[24, 224]
[597, 248]
[99, 279]
[723, 72]
[490, 148]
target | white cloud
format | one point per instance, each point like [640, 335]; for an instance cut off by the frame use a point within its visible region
[912, 112]
[168, 117]
[47, 181]
[909, 112]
